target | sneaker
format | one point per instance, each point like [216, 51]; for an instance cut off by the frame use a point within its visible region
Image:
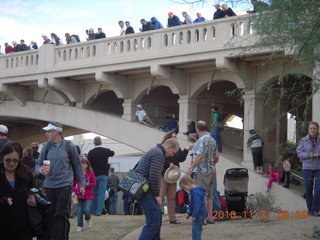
[79, 229]
[89, 223]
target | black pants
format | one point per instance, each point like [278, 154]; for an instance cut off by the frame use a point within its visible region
[60, 211]
[286, 179]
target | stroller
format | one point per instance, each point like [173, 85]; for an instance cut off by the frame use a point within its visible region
[236, 191]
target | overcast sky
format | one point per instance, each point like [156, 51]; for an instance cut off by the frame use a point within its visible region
[28, 20]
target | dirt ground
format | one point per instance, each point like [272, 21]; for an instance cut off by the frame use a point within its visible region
[247, 229]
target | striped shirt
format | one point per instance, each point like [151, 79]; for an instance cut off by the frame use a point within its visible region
[151, 165]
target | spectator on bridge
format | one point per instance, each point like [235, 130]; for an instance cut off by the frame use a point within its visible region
[3, 135]
[23, 46]
[172, 124]
[258, 6]
[129, 29]
[91, 34]
[8, 48]
[199, 18]
[100, 34]
[16, 46]
[46, 39]
[156, 24]
[146, 26]
[173, 20]
[122, 28]
[187, 18]
[228, 12]
[70, 39]
[142, 116]
[218, 13]
[55, 40]
[33, 45]
[98, 157]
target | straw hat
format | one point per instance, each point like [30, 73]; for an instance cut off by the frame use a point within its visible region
[172, 175]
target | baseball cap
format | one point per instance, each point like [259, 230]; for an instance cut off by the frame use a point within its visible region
[139, 106]
[52, 126]
[3, 129]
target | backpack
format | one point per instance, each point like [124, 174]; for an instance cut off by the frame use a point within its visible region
[76, 37]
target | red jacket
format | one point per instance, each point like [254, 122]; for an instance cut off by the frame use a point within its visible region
[9, 49]
[91, 179]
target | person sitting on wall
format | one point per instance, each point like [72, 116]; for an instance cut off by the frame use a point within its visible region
[171, 125]
[142, 116]
[191, 133]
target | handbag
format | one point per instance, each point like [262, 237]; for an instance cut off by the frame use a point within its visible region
[134, 185]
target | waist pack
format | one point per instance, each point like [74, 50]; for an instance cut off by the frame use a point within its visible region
[134, 185]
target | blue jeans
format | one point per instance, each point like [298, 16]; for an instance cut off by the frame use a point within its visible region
[151, 231]
[99, 194]
[216, 135]
[216, 197]
[197, 226]
[83, 208]
[312, 189]
[113, 204]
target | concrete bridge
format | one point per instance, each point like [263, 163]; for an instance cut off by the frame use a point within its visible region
[96, 85]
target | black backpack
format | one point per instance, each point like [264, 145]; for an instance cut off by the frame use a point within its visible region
[76, 37]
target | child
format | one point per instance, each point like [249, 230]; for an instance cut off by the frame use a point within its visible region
[84, 201]
[197, 208]
[275, 176]
[286, 169]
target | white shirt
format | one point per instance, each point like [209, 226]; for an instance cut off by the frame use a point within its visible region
[141, 114]
[123, 30]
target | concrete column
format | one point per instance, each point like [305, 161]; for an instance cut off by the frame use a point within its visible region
[316, 96]
[253, 119]
[281, 126]
[188, 109]
[129, 109]
[46, 57]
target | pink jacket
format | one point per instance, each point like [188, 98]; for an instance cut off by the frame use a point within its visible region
[91, 179]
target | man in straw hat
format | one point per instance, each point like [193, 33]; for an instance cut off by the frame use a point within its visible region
[150, 166]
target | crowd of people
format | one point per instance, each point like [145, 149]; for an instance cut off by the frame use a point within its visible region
[63, 172]
[222, 11]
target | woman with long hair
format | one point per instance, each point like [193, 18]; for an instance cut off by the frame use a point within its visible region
[169, 189]
[15, 183]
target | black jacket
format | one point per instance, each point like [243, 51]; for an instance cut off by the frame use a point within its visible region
[98, 157]
[177, 158]
[218, 14]
[14, 218]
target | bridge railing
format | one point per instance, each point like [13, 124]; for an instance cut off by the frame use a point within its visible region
[175, 41]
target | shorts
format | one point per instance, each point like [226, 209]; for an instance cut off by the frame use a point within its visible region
[205, 180]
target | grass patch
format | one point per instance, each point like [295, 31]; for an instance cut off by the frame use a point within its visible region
[107, 227]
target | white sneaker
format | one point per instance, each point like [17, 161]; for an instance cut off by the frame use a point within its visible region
[89, 223]
[79, 229]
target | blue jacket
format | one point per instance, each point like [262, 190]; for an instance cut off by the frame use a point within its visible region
[197, 203]
[202, 19]
[175, 21]
[156, 23]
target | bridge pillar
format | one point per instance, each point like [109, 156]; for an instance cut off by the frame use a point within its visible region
[253, 119]
[188, 109]
[129, 109]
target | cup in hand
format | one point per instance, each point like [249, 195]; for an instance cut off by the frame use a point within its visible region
[46, 165]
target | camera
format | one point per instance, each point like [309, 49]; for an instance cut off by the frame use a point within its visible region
[40, 200]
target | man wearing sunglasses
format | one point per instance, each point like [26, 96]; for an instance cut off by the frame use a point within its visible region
[59, 177]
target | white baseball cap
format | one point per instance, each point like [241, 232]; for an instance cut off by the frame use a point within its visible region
[3, 129]
[51, 126]
[139, 106]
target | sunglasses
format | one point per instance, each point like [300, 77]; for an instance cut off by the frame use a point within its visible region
[13, 160]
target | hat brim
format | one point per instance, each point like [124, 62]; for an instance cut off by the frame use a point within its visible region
[167, 179]
[52, 127]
